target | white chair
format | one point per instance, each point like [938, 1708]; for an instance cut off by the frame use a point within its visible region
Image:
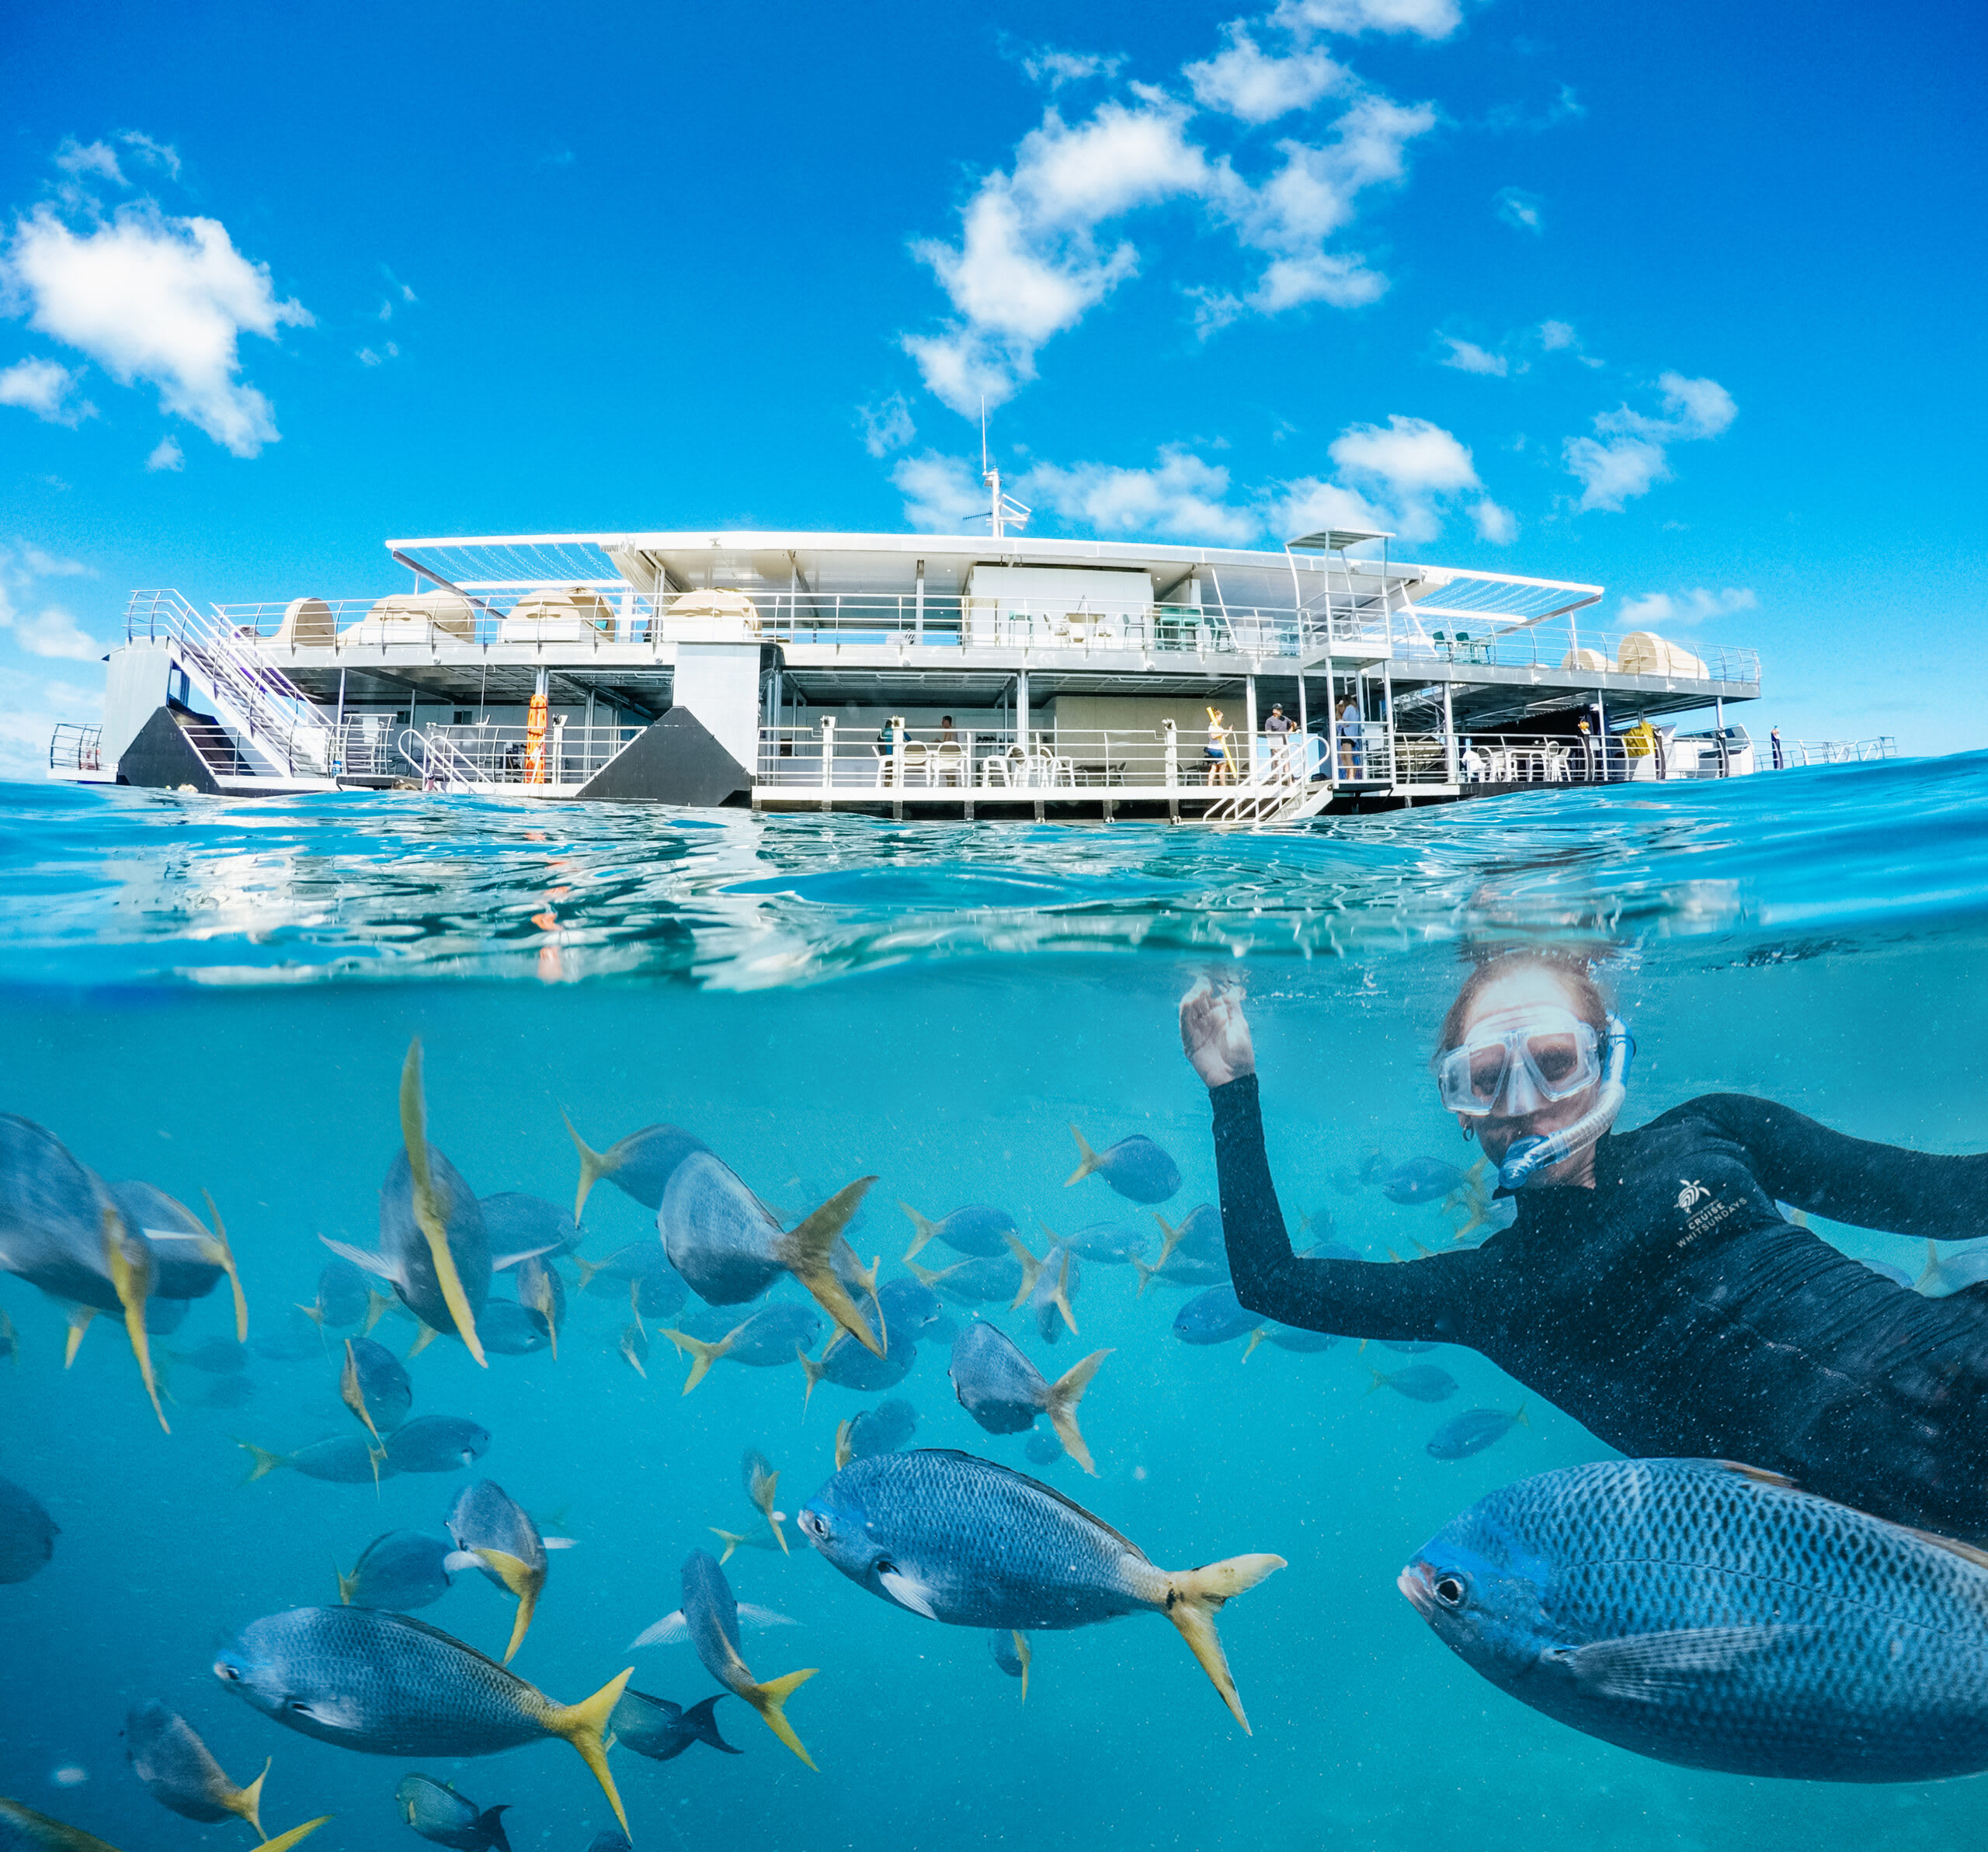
[1008, 767]
[945, 761]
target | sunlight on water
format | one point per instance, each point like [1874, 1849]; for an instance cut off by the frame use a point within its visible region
[219, 996]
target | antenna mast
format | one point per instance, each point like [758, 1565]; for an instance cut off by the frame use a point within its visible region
[1003, 512]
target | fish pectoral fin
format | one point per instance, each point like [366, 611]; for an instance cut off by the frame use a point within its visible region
[671, 1630]
[1647, 1667]
[751, 1614]
[375, 1264]
[456, 1561]
[559, 1543]
[584, 1726]
[283, 1841]
[808, 1251]
[908, 1591]
[844, 1451]
[770, 1700]
[1191, 1599]
[504, 1263]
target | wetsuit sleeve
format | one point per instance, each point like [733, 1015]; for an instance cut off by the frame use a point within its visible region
[1853, 1180]
[1355, 1299]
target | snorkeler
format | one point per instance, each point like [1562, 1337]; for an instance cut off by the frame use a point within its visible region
[1650, 1287]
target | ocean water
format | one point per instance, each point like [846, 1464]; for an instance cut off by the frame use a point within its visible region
[218, 995]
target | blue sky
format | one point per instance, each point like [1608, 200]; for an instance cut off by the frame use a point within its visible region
[1683, 300]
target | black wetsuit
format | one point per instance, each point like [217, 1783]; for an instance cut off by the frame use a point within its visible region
[1674, 1311]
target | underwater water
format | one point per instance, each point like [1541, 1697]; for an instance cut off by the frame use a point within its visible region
[218, 996]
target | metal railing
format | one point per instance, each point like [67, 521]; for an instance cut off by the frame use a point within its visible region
[1794, 753]
[827, 757]
[74, 748]
[1568, 648]
[473, 758]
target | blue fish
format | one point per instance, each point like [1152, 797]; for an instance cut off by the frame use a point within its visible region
[399, 1570]
[1116, 1243]
[1198, 1237]
[1472, 1431]
[981, 1281]
[710, 1615]
[882, 1430]
[437, 1444]
[1002, 1390]
[1136, 1167]
[515, 1223]
[967, 1543]
[640, 1165]
[655, 1728]
[975, 1230]
[910, 1310]
[1011, 1651]
[1041, 1448]
[773, 1336]
[1423, 1180]
[1214, 1317]
[850, 1366]
[437, 1812]
[1419, 1382]
[1714, 1617]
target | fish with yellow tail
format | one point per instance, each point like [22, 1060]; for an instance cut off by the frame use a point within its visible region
[975, 1230]
[375, 1388]
[22, 1829]
[188, 1261]
[761, 1487]
[770, 1337]
[434, 1251]
[1047, 1286]
[384, 1684]
[179, 1772]
[1002, 1390]
[964, 1542]
[1134, 1167]
[494, 1534]
[710, 1615]
[60, 1229]
[1011, 1651]
[640, 1165]
[730, 1247]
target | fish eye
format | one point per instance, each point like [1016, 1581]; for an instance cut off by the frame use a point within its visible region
[1451, 1590]
[223, 1669]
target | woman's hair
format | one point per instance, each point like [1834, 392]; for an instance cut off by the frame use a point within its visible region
[1590, 1005]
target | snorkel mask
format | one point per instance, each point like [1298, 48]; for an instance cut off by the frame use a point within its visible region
[1535, 1058]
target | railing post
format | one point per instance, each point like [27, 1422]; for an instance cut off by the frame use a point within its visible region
[1170, 739]
[828, 751]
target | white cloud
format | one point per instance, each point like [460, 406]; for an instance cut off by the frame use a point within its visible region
[887, 427]
[387, 350]
[1254, 86]
[1031, 262]
[1399, 479]
[50, 565]
[160, 154]
[942, 494]
[40, 629]
[1498, 526]
[77, 158]
[29, 709]
[1467, 356]
[1182, 497]
[1309, 505]
[160, 300]
[1627, 456]
[1048, 66]
[1426, 19]
[1616, 472]
[51, 631]
[44, 388]
[1694, 606]
[1519, 210]
[166, 455]
[1556, 334]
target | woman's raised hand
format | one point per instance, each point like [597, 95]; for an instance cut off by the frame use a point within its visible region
[1215, 1033]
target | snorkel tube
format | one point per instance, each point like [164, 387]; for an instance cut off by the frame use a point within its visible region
[1529, 1157]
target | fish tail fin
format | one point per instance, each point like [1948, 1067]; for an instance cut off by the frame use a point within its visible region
[594, 1165]
[1087, 1160]
[216, 1249]
[1025, 1653]
[1031, 1269]
[700, 1720]
[584, 1726]
[265, 1461]
[314, 1313]
[1926, 1279]
[79, 1323]
[808, 1253]
[1061, 1297]
[770, 1700]
[1170, 1237]
[1192, 1599]
[923, 1275]
[131, 1272]
[732, 1540]
[429, 1214]
[923, 1228]
[1518, 1417]
[375, 1309]
[1145, 1274]
[348, 1585]
[1064, 1393]
[780, 1536]
[702, 1355]
[814, 1372]
[247, 1802]
[1380, 1379]
[283, 1841]
[1255, 1338]
[524, 1581]
[845, 1452]
[587, 1270]
[428, 1335]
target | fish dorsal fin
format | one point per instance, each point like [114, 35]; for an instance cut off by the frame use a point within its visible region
[1760, 1475]
[1089, 1517]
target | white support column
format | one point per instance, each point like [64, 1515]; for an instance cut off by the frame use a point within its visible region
[1388, 702]
[1332, 714]
[1021, 709]
[918, 617]
[1249, 717]
[1449, 736]
[827, 751]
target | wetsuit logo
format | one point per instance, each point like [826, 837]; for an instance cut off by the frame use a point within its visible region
[1690, 1195]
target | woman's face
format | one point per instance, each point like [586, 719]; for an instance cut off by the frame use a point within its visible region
[1508, 1002]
